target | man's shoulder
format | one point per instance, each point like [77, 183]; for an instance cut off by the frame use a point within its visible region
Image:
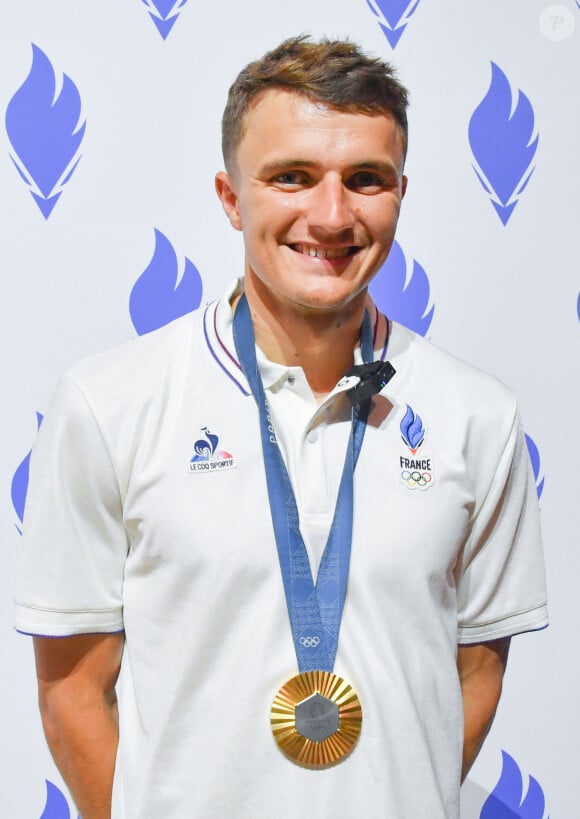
[139, 362]
[444, 377]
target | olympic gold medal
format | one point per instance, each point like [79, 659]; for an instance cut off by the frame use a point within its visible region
[316, 719]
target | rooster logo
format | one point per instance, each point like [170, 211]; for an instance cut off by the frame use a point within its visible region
[208, 457]
[205, 448]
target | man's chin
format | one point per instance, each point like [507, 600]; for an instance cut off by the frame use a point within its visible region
[329, 301]
[307, 293]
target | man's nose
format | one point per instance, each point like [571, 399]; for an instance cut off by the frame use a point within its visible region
[330, 206]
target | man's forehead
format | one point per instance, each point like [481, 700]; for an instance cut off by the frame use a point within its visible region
[289, 97]
[302, 103]
[300, 111]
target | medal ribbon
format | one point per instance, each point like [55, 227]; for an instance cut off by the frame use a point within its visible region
[315, 609]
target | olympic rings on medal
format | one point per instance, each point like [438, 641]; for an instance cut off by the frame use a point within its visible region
[310, 642]
[416, 478]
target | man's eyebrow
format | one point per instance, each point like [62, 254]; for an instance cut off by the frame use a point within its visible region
[282, 165]
[374, 165]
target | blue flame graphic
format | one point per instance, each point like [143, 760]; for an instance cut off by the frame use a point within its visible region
[56, 806]
[506, 800]
[412, 430]
[45, 131]
[578, 302]
[156, 297]
[501, 143]
[393, 16]
[19, 486]
[164, 14]
[400, 300]
[536, 465]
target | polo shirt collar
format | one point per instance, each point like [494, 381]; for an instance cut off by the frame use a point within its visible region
[218, 331]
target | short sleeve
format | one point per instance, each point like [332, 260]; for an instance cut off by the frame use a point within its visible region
[74, 542]
[500, 576]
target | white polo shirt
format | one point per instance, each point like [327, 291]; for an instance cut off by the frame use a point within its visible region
[148, 511]
[313, 438]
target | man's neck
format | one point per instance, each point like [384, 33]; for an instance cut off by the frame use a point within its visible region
[321, 342]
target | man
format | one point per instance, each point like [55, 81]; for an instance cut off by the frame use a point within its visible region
[166, 535]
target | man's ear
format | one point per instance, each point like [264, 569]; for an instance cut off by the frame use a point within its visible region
[403, 186]
[228, 197]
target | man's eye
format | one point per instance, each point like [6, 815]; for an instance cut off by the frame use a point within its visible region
[366, 180]
[291, 178]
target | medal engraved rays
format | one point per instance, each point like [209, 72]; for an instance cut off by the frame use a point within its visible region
[316, 719]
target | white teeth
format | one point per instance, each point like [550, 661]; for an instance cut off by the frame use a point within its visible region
[322, 253]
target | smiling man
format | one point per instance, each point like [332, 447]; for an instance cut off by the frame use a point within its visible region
[303, 535]
[317, 193]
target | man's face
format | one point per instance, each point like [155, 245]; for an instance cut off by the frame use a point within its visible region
[317, 194]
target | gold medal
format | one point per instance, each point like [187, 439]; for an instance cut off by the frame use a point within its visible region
[316, 719]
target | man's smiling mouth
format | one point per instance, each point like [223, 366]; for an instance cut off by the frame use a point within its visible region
[325, 252]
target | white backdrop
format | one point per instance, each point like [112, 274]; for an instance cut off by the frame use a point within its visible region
[505, 296]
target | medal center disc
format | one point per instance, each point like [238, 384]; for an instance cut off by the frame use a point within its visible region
[316, 719]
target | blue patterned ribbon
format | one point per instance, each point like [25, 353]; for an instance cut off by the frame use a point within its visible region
[315, 610]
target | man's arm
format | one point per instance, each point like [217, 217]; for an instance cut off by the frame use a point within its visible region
[481, 668]
[76, 692]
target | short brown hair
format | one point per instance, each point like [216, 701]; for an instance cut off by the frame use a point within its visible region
[336, 73]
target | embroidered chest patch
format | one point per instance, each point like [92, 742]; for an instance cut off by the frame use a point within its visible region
[208, 457]
[415, 464]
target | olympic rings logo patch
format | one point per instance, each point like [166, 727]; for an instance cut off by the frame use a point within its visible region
[310, 642]
[415, 479]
